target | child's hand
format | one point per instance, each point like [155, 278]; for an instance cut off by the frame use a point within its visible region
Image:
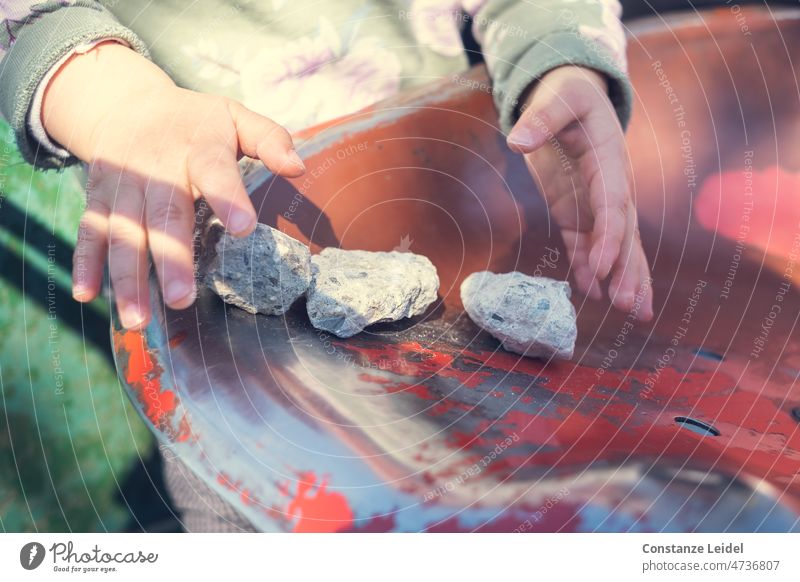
[575, 149]
[153, 149]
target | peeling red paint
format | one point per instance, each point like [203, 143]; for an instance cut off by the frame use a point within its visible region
[225, 480]
[374, 378]
[413, 359]
[463, 440]
[591, 415]
[447, 405]
[185, 431]
[443, 406]
[564, 415]
[144, 376]
[417, 389]
[248, 498]
[316, 509]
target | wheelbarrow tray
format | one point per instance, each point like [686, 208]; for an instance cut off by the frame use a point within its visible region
[688, 423]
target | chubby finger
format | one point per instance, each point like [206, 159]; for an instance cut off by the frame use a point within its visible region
[608, 234]
[89, 257]
[578, 244]
[646, 312]
[606, 169]
[214, 172]
[644, 285]
[262, 138]
[127, 255]
[634, 292]
[169, 215]
[630, 286]
[548, 114]
[626, 272]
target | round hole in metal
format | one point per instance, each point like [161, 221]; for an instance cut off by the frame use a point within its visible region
[708, 354]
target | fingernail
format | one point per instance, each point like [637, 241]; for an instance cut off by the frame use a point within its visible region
[523, 137]
[131, 316]
[79, 292]
[177, 291]
[239, 222]
[295, 159]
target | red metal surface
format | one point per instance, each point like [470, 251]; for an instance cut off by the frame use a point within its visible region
[392, 429]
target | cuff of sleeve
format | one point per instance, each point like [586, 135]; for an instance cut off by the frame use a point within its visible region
[35, 125]
[555, 50]
[40, 47]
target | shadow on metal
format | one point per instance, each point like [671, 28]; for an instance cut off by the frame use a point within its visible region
[427, 425]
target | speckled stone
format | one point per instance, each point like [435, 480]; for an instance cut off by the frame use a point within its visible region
[353, 289]
[532, 316]
[263, 273]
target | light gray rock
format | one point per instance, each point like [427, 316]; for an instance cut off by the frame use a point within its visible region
[263, 273]
[532, 316]
[353, 289]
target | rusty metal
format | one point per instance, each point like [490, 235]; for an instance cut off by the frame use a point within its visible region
[685, 424]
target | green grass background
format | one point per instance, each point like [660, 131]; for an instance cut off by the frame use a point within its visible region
[68, 433]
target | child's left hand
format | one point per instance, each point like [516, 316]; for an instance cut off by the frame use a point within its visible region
[575, 148]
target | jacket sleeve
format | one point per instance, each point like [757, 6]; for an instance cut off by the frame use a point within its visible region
[37, 38]
[521, 40]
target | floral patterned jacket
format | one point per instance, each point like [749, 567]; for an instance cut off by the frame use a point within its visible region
[302, 62]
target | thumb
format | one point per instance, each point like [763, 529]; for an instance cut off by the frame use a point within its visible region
[262, 138]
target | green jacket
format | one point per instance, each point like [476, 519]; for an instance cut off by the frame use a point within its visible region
[302, 62]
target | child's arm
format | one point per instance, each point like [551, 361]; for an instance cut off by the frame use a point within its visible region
[560, 85]
[35, 39]
[152, 149]
[75, 85]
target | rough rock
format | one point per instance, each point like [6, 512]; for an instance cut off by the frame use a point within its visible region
[532, 316]
[262, 273]
[353, 289]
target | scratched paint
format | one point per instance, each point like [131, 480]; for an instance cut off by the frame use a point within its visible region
[177, 339]
[583, 420]
[143, 376]
[315, 509]
[566, 419]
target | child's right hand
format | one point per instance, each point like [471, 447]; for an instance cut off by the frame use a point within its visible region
[152, 149]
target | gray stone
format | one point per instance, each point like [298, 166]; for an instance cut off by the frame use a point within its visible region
[532, 316]
[353, 289]
[262, 273]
